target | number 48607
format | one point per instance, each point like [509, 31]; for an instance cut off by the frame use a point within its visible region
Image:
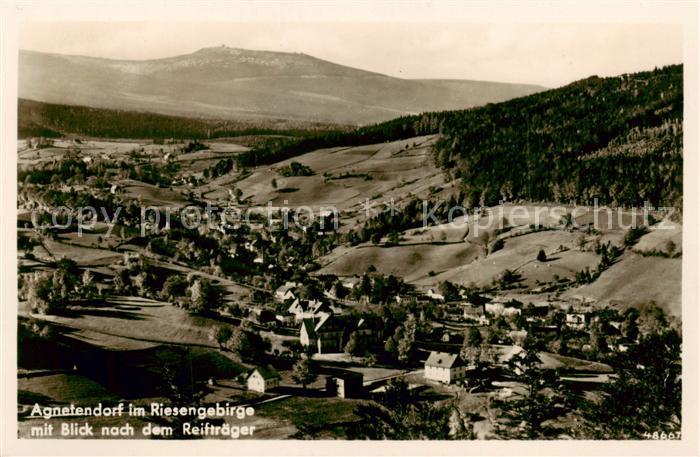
[662, 436]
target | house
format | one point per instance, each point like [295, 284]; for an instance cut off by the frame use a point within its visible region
[494, 309]
[262, 316]
[576, 321]
[511, 311]
[287, 291]
[370, 331]
[518, 336]
[308, 309]
[475, 314]
[250, 246]
[350, 282]
[539, 309]
[325, 334]
[336, 291]
[515, 359]
[435, 295]
[499, 309]
[444, 367]
[345, 384]
[262, 379]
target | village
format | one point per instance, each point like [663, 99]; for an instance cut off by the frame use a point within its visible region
[450, 353]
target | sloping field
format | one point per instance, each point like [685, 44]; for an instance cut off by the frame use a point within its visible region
[84, 256]
[659, 237]
[37, 156]
[410, 262]
[429, 263]
[449, 233]
[153, 195]
[519, 254]
[129, 323]
[66, 388]
[636, 280]
[344, 177]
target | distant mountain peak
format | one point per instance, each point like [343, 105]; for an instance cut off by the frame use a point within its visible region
[234, 83]
[223, 49]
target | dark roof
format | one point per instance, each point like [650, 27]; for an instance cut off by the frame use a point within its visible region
[347, 375]
[310, 325]
[330, 323]
[444, 360]
[370, 323]
[266, 372]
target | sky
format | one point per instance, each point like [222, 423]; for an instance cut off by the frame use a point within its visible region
[550, 55]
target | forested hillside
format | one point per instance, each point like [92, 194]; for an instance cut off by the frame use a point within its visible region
[53, 120]
[616, 139]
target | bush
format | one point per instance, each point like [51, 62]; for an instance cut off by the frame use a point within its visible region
[541, 256]
[296, 169]
[497, 245]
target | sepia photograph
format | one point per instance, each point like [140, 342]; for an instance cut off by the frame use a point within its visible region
[350, 230]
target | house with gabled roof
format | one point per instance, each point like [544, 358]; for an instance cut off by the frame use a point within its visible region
[287, 291]
[262, 379]
[325, 334]
[305, 309]
[444, 367]
[435, 295]
[369, 330]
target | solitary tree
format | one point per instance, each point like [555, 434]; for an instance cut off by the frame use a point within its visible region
[88, 289]
[221, 335]
[353, 344]
[670, 247]
[541, 256]
[197, 297]
[472, 347]
[474, 337]
[41, 294]
[239, 343]
[303, 373]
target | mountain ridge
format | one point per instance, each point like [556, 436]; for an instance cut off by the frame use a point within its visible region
[241, 84]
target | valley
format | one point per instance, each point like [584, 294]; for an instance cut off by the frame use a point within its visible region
[455, 258]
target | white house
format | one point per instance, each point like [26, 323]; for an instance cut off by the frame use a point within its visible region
[262, 379]
[435, 295]
[495, 309]
[576, 321]
[499, 309]
[308, 309]
[286, 292]
[444, 367]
